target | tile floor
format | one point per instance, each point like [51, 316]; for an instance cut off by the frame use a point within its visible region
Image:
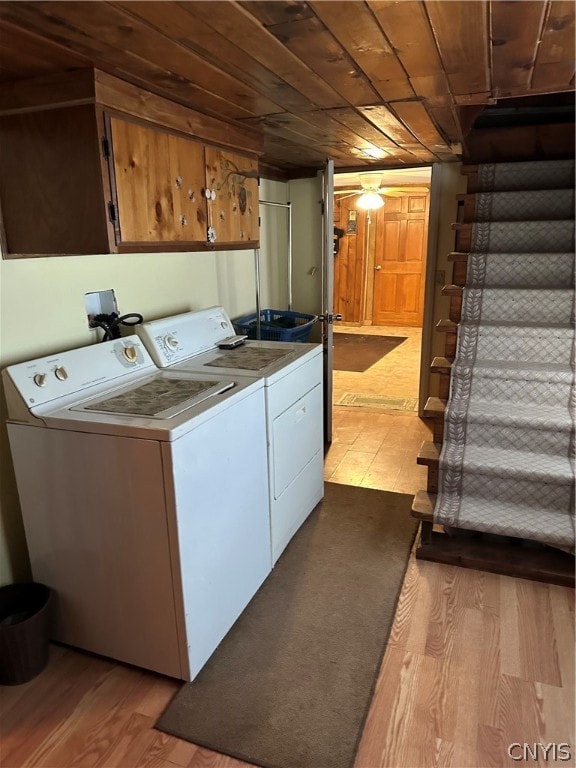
[394, 375]
[372, 446]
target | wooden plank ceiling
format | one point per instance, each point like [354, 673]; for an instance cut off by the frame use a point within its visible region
[376, 83]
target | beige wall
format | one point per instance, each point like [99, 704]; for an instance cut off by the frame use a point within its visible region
[306, 195]
[274, 251]
[42, 311]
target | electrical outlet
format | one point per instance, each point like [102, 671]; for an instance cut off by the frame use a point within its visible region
[99, 303]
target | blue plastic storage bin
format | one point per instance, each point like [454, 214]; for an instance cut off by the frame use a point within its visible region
[277, 325]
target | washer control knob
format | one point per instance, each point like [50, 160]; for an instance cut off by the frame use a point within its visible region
[171, 343]
[130, 354]
[40, 379]
[61, 374]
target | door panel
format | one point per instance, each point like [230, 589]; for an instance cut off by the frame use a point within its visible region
[388, 245]
[417, 203]
[414, 240]
[388, 289]
[408, 294]
[400, 261]
[392, 205]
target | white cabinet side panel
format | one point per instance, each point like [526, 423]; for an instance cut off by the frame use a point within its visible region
[95, 520]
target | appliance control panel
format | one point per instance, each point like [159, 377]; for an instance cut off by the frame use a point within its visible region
[48, 378]
[174, 339]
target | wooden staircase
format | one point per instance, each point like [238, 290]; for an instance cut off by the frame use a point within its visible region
[470, 549]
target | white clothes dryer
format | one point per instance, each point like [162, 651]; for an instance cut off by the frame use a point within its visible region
[137, 510]
[292, 373]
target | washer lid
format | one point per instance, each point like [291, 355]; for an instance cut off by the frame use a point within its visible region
[162, 397]
[163, 406]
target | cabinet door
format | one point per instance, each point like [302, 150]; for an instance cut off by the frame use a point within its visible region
[159, 180]
[233, 213]
[53, 201]
[187, 174]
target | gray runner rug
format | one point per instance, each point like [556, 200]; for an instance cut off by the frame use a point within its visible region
[507, 461]
[291, 683]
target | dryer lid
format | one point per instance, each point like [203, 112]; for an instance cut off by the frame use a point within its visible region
[249, 358]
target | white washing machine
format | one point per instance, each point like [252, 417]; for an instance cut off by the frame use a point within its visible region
[292, 373]
[137, 508]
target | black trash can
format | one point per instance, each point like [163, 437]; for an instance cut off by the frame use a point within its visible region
[24, 631]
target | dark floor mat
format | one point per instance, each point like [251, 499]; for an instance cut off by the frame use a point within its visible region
[357, 352]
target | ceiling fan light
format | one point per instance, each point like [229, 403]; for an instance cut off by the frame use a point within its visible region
[370, 182]
[369, 201]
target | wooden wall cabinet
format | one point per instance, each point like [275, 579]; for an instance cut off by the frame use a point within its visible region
[232, 180]
[170, 189]
[88, 178]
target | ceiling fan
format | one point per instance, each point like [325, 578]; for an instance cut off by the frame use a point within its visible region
[371, 190]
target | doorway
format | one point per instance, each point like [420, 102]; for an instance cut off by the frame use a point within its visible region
[379, 281]
[379, 286]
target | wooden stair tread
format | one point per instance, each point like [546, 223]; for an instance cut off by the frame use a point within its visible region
[452, 290]
[429, 454]
[423, 505]
[441, 365]
[458, 256]
[435, 406]
[446, 326]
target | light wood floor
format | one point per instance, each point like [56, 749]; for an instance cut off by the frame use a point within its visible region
[475, 661]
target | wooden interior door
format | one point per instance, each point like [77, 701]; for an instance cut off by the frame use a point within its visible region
[400, 239]
[350, 261]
